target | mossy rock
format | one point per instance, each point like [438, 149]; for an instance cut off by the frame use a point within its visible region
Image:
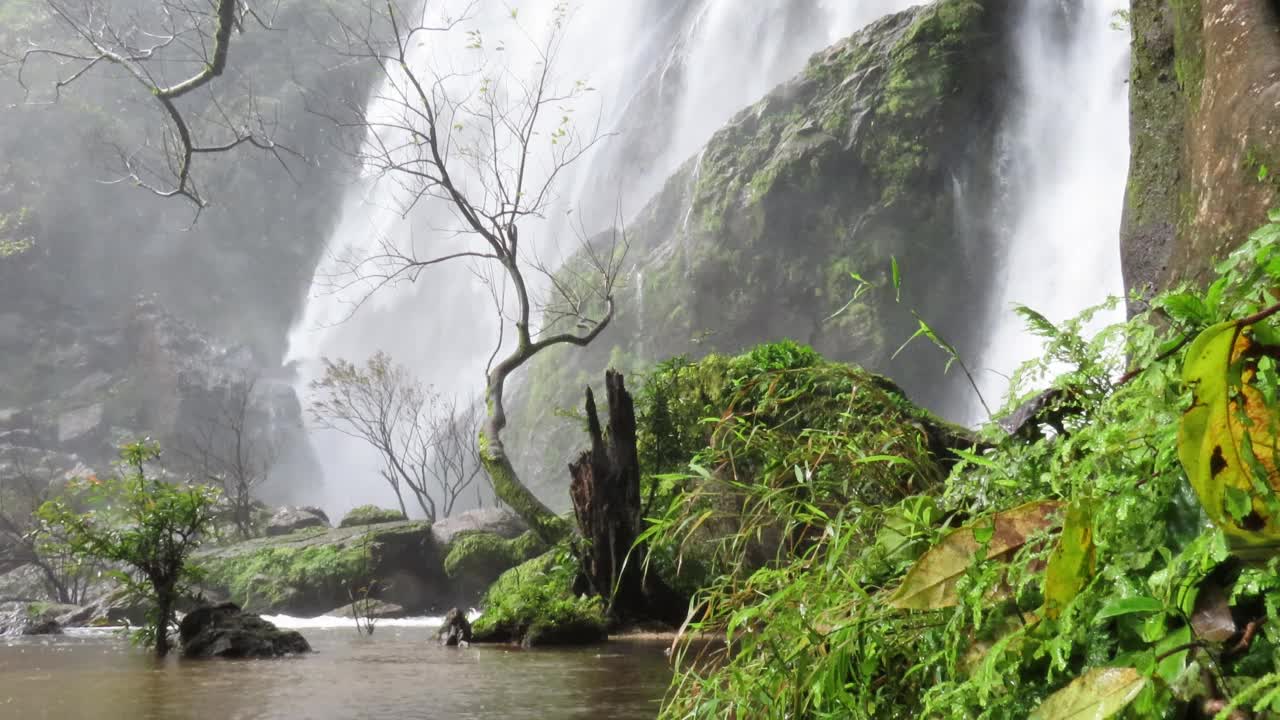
[476, 559]
[308, 573]
[370, 515]
[534, 604]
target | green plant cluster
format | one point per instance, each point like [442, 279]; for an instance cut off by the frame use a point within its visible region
[141, 523]
[1074, 574]
[535, 604]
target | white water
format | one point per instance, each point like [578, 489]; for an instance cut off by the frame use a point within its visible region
[1067, 156]
[290, 622]
[708, 59]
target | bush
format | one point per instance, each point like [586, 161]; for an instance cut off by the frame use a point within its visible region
[535, 604]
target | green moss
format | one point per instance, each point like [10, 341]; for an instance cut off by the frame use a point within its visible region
[370, 515]
[534, 604]
[272, 577]
[486, 555]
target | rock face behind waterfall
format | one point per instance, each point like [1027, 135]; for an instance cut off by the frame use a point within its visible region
[1205, 135]
[225, 631]
[882, 148]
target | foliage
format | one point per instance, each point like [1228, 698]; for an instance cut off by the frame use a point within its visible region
[535, 604]
[142, 523]
[1127, 603]
[271, 577]
[478, 554]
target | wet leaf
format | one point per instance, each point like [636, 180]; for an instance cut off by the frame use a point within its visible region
[1073, 561]
[1212, 620]
[1227, 439]
[1129, 606]
[1098, 694]
[931, 582]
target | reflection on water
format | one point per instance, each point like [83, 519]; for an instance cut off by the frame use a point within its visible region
[399, 673]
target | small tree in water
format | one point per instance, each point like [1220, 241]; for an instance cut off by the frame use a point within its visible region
[138, 521]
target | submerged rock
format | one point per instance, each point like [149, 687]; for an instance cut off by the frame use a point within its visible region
[292, 519]
[226, 631]
[456, 629]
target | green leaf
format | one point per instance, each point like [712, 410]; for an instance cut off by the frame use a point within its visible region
[1129, 606]
[1098, 694]
[1073, 561]
[930, 584]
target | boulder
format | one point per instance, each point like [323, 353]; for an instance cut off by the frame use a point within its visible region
[499, 521]
[226, 631]
[535, 604]
[309, 573]
[371, 515]
[456, 629]
[35, 618]
[291, 519]
[475, 559]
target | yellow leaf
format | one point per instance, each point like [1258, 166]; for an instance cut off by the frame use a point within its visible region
[1096, 695]
[1227, 439]
[930, 584]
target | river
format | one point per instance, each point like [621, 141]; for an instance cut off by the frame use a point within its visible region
[399, 672]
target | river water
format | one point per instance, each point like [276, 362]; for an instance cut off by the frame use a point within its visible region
[399, 673]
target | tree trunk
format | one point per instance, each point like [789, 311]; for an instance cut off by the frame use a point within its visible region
[606, 501]
[502, 474]
[164, 612]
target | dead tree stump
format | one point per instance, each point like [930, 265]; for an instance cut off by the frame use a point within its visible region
[605, 490]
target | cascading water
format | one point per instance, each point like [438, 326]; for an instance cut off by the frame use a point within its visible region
[670, 73]
[1064, 166]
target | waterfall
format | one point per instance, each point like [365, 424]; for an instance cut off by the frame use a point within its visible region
[669, 73]
[1065, 156]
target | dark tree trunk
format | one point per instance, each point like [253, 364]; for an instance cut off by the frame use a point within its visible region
[606, 501]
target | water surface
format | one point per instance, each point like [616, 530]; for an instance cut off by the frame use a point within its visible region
[399, 673]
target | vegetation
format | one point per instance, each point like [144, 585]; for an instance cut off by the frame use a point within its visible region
[140, 522]
[370, 515]
[484, 554]
[535, 604]
[1075, 574]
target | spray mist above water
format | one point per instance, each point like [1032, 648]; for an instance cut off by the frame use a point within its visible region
[665, 76]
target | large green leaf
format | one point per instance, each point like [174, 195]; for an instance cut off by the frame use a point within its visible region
[1098, 694]
[931, 582]
[1073, 561]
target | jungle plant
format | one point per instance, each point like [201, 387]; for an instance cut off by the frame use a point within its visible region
[141, 523]
[1124, 566]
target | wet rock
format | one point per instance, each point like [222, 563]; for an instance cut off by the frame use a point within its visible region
[456, 629]
[226, 631]
[76, 424]
[35, 618]
[291, 519]
[498, 521]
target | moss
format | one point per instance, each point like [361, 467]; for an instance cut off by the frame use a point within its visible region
[371, 515]
[486, 555]
[275, 577]
[534, 604]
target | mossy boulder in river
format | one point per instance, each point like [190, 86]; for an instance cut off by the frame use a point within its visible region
[535, 604]
[313, 571]
[370, 515]
[476, 559]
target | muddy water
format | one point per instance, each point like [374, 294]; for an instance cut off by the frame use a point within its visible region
[398, 674]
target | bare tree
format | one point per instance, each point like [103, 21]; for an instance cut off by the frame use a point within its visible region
[426, 444]
[23, 540]
[485, 146]
[172, 51]
[234, 449]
